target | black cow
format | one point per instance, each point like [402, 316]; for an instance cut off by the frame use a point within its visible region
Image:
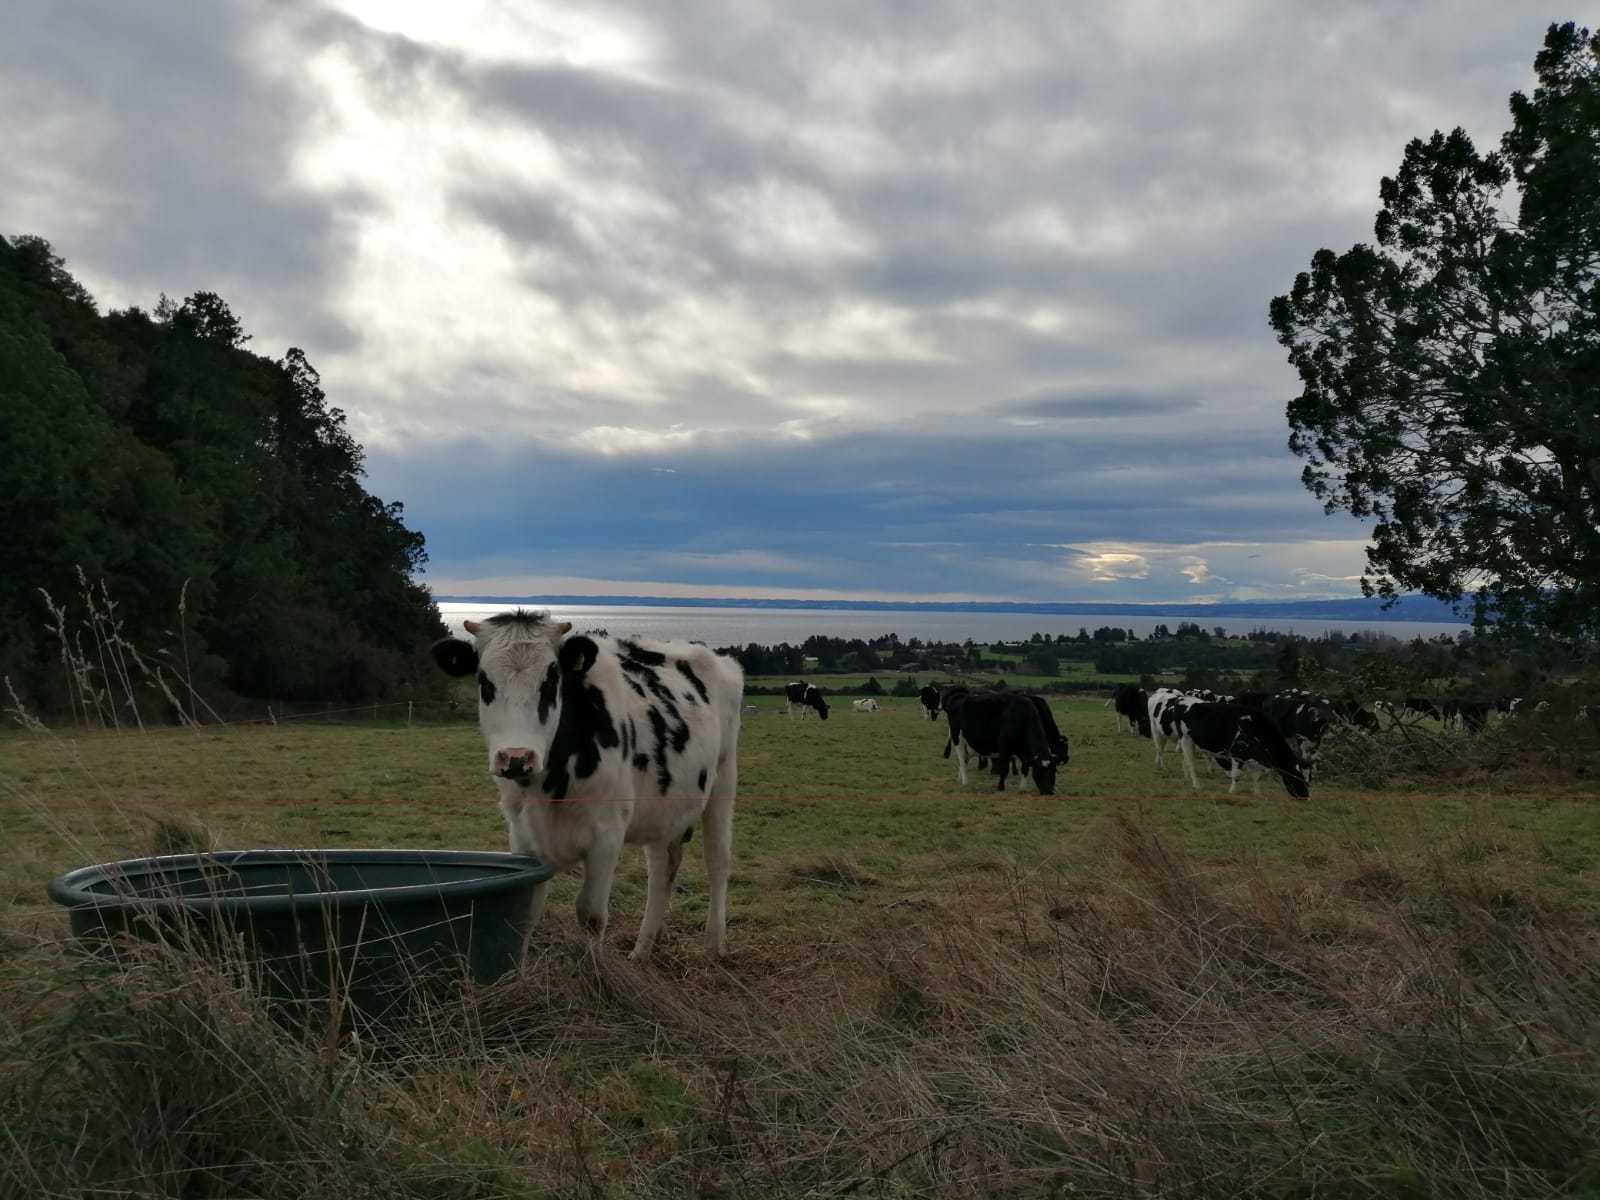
[1002, 726]
[1237, 735]
[1054, 738]
[930, 702]
[1473, 715]
[1355, 713]
[1422, 707]
[1133, 709]
[806, 698]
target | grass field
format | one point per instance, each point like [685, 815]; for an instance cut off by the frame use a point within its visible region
[1217, 993]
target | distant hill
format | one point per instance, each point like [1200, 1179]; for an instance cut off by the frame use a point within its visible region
[1356, 608]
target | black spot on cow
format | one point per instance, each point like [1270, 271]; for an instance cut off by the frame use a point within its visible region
[649, 658]
[658, 726]
[455, 657]
[486, 689]
[702, 779]
[585, 728]
[699, 687]
[547, 692]
[638, 688]
[641, 762]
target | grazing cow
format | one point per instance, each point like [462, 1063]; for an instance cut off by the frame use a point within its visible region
[1237, 736]
[1472, 715]
[1002, 726]
[867, 706]
[929, 698]
[1302, 718]
[1054, 738]
[1133, 709]
[598, 741]
[1353, 712]
[806, 698]
[1420, 706]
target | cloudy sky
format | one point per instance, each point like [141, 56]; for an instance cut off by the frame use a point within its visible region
[828, 299]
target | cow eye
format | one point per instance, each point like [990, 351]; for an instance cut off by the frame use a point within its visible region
[485, 688]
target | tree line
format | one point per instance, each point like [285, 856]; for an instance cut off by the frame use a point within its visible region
[211, 494]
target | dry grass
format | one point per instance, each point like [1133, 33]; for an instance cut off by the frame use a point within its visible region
[1143, 1037]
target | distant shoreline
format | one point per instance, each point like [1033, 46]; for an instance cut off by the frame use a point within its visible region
[1420, 609]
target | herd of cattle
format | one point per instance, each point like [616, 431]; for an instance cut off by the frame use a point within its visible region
[1259, 733]
[582, 728]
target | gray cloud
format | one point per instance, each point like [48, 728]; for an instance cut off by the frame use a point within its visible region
[696, 285]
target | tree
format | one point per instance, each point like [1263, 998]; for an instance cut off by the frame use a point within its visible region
[1451, 373]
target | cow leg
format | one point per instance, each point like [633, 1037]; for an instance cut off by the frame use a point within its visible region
[1002, 769]
[661, 869]
[717, 829]
[594, 897]
[961, 761]
[1186, 745]
[1233, 774]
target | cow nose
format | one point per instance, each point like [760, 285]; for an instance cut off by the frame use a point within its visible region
[517, 762]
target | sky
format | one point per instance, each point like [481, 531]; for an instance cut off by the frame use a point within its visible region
[831, 300]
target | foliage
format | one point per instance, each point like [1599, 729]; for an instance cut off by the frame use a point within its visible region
[161, 458]
[1451, 373]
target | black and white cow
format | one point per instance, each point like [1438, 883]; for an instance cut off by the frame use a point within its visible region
[869, 705]
[1237, 736]
[1001, 726]
[806, 698]
[595, 742]
[929, 699]
[1159, 709]
[1132, 706]
[1303, 719]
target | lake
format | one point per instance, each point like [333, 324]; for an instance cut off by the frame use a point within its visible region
[769, 626]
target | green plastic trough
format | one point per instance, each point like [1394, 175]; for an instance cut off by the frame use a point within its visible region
[376, 927]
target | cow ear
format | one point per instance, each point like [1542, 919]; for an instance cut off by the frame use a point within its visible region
[455, 657]
[471, 627]
[562, 628]
[577, 654]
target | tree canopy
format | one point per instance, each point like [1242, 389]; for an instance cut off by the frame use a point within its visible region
[1451, 372]
[155, 451]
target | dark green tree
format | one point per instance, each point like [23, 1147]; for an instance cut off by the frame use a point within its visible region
[161, 457]
[1451, 373]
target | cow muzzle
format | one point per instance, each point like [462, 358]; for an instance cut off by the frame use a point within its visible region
[518, 764]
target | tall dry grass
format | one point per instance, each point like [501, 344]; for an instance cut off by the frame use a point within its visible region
[1144, 1037]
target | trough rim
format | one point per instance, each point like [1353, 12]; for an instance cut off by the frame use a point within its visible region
[71, 888]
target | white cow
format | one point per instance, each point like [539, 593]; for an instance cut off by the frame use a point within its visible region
[595, 742]
[867, 706]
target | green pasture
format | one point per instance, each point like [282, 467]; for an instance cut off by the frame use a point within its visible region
[835, 819]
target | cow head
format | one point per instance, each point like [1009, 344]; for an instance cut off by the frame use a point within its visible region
[519, 659]
[1043, 770]
[815, 700]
